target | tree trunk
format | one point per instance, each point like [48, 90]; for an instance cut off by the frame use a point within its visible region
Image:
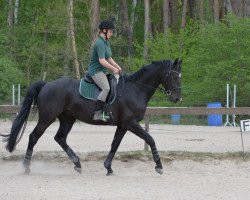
[66, 54]
[166, 15]
[222, 9]
[238, 7]
[11, 14]
[147, 27]
[10, 21]
[94, 19]
[174, 16]
[244, 5]
[235, 7]
[201, 11]
[16, 11]
[184, 13]
[216, 11]
[191, 8]
[126, 26]
[134, 4]
[45, 62]
[72, 37]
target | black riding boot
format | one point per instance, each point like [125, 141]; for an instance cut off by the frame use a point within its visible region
[99, 113]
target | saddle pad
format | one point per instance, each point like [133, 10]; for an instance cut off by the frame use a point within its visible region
[88, 90]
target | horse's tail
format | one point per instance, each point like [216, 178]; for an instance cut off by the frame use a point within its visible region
[22, 116]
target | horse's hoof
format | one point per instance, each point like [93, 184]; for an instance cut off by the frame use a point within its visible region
[110, 174]
[27, 170]
[160, 171]
[78, 169]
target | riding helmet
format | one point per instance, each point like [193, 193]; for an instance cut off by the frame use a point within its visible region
[106, 24]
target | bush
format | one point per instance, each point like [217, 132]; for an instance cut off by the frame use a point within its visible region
[9, 74]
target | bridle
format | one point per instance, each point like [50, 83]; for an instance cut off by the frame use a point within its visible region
[168, 91]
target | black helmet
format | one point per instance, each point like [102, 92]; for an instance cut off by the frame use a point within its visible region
[106, 24]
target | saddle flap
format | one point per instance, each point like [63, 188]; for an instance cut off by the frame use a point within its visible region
[89, 90]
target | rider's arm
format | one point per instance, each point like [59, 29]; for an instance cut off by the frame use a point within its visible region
[112, 62]
[106, 64]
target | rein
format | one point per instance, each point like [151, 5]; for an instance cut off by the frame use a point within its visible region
[167, 92]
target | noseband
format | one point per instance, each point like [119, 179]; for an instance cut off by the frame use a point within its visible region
[169, 90]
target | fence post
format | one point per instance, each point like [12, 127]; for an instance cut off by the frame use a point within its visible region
[146, 129]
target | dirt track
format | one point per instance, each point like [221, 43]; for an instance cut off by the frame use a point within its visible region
[52, 175]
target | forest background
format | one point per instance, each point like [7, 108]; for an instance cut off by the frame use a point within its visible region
[44, 39]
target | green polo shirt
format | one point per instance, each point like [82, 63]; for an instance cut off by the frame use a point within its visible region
[101, 49]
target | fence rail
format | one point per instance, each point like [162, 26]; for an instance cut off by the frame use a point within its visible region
[197, 111]
[9, 109]
[167, 110]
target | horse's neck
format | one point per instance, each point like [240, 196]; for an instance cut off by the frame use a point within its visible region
[148, 82]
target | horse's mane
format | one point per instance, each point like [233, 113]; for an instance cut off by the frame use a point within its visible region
[138, 73]
[145, 68]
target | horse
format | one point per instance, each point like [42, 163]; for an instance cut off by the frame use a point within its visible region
[60, 99]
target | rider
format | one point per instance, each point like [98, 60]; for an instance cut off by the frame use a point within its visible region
[100, 62]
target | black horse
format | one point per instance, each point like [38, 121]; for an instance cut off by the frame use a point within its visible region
[60, 99]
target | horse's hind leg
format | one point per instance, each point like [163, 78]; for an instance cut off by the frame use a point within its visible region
[33, 138]
[66, 124]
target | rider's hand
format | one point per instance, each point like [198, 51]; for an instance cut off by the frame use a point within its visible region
[119, 68]
[116, 71]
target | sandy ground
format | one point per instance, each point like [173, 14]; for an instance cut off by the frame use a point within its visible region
[182, 179]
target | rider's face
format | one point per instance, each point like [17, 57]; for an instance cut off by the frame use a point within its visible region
[109, 33]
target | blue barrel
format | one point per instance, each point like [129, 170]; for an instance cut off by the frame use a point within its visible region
[214, 119]
[175, 119]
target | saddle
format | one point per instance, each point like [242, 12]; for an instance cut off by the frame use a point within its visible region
[89, 90]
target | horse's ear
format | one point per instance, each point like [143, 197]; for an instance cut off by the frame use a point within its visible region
[176, 61]
[180, 61]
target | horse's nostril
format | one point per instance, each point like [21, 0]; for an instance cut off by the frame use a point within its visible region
[178, 99]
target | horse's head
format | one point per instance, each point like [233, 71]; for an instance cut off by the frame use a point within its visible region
[171, 80]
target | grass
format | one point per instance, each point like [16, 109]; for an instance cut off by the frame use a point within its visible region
[166, 156]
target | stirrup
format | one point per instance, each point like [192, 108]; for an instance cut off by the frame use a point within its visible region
[105, 117]
[101, 117]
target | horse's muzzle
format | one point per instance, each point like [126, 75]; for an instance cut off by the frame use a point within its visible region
[175, 100]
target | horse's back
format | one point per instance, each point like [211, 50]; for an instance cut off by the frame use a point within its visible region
[59, 86]
[57, 93]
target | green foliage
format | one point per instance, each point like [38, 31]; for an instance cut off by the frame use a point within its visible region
[213, 56]
[220, 56]
[9, 74]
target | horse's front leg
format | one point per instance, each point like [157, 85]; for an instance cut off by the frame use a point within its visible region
[140, 132]
[120, 132]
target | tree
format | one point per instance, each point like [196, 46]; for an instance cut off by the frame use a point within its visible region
[72, 37]
[94, 18]
[174, 16]
[191, 8]
[216, 11]
[201, 11]
[134, 4]
[10, 27]
[11, 13]
[166, 16]
[184, 13]
[147, 26]
[126, 28]
[16, 11]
